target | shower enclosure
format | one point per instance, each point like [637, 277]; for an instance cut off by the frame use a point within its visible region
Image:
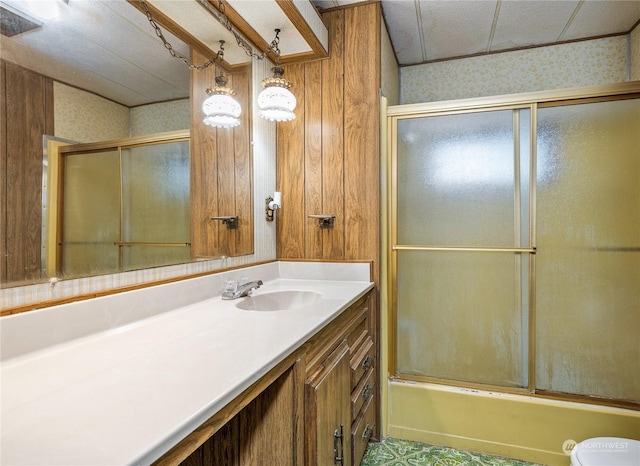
[122, 205]
[515, 243]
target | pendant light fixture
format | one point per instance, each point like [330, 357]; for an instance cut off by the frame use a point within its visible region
[220, 109]
[276, 102]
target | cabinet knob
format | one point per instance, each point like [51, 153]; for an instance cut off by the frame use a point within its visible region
[368, 432]
[368, 391]
[367, 362]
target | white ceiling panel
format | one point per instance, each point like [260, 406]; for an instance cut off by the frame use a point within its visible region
[452, 29]
[402, 21]
[193, 17]
[314, 22]
[266, 16]
[519, 22]
[89, 45]
[455, 28]
[116, 48]
[324, 4]
[598, 18]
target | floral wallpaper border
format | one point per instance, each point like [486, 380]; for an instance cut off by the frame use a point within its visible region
[576, 64]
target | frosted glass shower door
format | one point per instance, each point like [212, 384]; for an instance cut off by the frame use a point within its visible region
[155, 205]
[91, 214]
[462, 247]
[124, 208]
[588, 262]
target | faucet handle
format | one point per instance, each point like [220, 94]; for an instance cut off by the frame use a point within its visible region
[230, 286]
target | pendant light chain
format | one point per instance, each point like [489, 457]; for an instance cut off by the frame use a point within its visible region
[174, 53]
[276, 102]
[242, 43]
[226, 22]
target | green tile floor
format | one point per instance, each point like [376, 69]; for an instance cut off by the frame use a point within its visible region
[394, 452]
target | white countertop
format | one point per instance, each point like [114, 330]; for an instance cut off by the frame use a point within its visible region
[128, 394]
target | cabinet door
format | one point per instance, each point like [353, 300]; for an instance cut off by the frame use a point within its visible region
[329, 410]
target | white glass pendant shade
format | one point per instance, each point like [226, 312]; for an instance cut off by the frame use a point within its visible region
[221, 110]
[276, 101]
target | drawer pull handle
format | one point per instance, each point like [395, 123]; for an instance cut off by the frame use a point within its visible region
[368, 391]
[368, 432]
[367, 363]
[338, 446]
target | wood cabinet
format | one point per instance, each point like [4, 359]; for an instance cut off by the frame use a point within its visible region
[261, 426]
[328, 410]
[317, 407]
[265, 432]
[341, 401]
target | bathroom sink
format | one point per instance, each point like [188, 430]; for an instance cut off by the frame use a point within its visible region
[279, 300]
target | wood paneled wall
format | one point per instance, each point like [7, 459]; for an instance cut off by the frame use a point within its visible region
[221, 170]
[26, 115]
[329, 156]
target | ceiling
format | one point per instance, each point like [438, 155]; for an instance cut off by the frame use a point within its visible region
[106, 47]
[429, 30]
[109, 47]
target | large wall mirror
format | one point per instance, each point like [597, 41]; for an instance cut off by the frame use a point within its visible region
[121, 118]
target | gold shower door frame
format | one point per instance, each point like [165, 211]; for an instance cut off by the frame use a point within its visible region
[118, 145]
[531, 101]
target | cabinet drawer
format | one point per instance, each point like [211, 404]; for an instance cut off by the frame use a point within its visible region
[358, 330]
[352, 326]
[363, 360]
[362, 394]
[362, 431]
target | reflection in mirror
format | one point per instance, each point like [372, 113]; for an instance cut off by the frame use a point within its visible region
[112, 90]
[124, 206]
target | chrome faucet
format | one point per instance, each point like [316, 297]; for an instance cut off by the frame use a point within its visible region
[241, 289]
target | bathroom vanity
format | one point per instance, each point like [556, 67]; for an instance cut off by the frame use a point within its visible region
[173, 373]
[315, 408]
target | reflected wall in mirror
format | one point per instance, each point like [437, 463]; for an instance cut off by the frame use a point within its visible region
[67, 96]
[221, 175]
